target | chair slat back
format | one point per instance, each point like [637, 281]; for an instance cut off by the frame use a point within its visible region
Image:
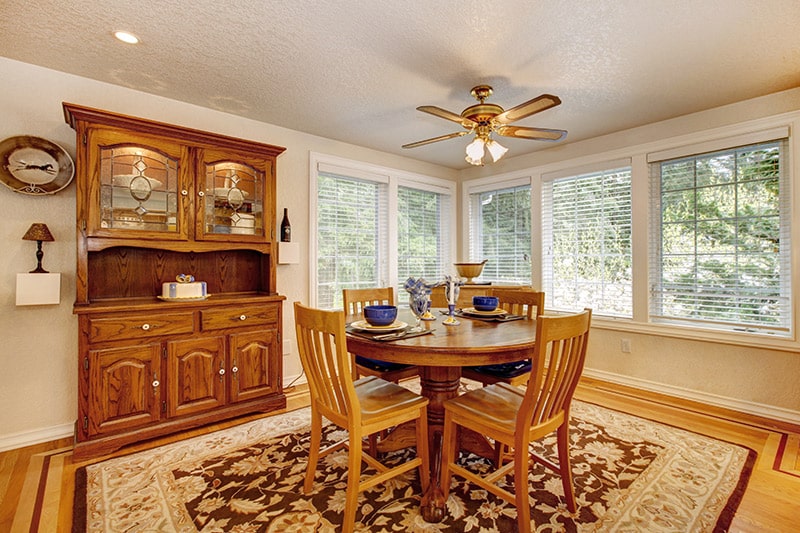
[524, 302]
[323, 353]
[557, 364]
[355, 299]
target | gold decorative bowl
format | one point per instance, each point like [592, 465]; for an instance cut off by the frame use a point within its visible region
[470, 270]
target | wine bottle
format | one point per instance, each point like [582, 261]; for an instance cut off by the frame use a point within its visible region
[286, 228]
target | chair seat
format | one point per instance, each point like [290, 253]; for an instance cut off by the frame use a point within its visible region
[504, 370]
[376, 397]
[495, 405]
[379, 366]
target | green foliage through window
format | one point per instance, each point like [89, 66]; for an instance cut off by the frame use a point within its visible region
[722, 254]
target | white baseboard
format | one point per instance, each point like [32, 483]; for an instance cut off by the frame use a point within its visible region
[29, 438]
[752, 408]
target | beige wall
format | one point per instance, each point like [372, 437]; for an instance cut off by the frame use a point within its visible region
[38, 347]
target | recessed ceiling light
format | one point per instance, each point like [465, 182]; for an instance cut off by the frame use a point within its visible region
[126, 37]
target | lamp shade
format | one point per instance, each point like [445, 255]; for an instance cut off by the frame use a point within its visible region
[38, 232]
[496, 149]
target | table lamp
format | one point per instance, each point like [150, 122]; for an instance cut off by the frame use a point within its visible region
[38, 232]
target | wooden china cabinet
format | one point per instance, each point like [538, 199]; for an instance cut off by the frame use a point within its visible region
[155, 201]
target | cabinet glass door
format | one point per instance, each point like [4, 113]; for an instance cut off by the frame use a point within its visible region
[233, 199]
[139, 189]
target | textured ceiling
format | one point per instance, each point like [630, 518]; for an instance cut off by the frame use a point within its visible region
[356, 70]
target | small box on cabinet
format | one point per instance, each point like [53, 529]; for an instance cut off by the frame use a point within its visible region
[39, 289]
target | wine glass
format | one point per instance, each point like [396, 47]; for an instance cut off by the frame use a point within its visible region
[418, 303]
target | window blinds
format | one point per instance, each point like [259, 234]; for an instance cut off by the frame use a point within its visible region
[586, 232]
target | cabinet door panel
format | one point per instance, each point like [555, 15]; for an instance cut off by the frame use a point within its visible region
[124, 388]
[255, 364]
[196, 375]
[234, 195]
[139, 185]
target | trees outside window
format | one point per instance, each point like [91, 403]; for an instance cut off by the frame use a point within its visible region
[720, 226]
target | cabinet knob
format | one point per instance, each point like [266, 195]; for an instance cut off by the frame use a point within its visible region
[221, 371]
[235, 369]
[201, 193]
[242, 317]
[146, 327]
[184, 192]
[156, 383]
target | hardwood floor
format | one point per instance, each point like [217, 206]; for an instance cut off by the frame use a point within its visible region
[37, 482]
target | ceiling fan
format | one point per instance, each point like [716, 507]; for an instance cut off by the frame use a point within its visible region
[484, 119]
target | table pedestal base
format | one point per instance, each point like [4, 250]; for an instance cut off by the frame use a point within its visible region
[439, 384]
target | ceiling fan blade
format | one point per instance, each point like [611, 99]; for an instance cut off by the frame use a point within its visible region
[526, 109]
[448, 115]
[436, 139]
[539, 134]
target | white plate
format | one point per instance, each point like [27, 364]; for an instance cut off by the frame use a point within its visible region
[363, 325]
[473, 311]
[195, 299]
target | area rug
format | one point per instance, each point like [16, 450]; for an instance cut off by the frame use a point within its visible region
[630, 474]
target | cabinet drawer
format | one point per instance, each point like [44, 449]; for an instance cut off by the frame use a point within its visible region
[238, 317]
[139, 326]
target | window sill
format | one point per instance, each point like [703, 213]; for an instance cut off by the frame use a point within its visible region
[753, 340]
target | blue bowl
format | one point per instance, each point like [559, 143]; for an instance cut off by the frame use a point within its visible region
[485, 303]
[380, 315]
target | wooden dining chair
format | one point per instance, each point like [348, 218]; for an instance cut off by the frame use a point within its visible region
[524, 302]
[363, 407]
[516, 417]
[354, 302]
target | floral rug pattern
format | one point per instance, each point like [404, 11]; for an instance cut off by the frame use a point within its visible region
[630, 474]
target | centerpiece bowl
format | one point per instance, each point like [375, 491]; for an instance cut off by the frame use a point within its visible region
[470, 270]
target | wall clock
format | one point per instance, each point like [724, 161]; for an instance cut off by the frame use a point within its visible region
[32, 165]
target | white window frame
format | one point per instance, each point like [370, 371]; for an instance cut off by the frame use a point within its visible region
[394, 178]
[776, 135]
[575, 173]
[478, 186]
[640, 195]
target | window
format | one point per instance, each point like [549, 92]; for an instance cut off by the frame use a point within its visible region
[586, 242]
[721, 254]
[351, 236]
[423, 238]
[501, 233]
[376, 227]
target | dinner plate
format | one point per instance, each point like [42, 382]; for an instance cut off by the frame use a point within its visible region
[363, 325]
[475, 312]
[194, 299]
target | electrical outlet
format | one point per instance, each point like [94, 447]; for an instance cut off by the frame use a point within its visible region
[625, 345]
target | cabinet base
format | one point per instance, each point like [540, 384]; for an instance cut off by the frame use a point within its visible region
[105, 444]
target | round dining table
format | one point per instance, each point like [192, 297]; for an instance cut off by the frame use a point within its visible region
[440, 355]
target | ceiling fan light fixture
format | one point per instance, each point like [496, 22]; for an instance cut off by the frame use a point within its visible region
[496, 150]
[475, 151]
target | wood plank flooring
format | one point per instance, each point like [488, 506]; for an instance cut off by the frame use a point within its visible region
[37, 482]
